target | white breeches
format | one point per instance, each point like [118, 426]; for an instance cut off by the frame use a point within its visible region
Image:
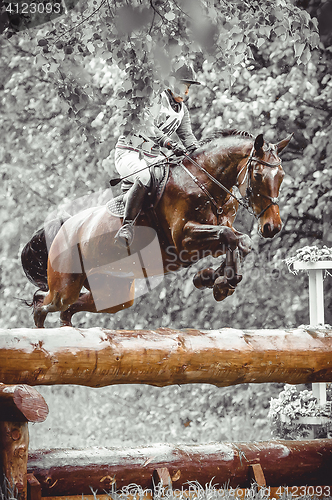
[128, 163]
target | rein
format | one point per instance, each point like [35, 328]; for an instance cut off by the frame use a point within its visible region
[245, 201]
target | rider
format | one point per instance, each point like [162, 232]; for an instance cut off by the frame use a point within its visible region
[139, 150]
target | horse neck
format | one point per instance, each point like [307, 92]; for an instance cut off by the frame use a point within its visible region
[228, 163]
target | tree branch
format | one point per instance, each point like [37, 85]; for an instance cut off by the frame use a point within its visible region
[181, 10]
[157, 12]
[82, 22]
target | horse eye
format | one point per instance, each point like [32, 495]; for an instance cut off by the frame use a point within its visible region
[258, 176]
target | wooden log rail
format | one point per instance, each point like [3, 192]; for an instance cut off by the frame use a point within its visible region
[19, 404]
[97, 357]
[73, 472]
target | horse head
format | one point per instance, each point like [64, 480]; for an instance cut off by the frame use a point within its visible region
[259, 180]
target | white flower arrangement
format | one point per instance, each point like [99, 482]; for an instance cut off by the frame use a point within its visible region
[308, 254]
[290, 411]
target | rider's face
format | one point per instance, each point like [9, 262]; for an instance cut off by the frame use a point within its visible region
[181, 91]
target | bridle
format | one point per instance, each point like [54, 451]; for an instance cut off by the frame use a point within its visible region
[249, 191]
[245, 201]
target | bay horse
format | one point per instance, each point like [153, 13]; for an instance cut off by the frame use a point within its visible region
[194, 218]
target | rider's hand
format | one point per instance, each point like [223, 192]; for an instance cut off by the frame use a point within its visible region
[177, 149]
[192, 148]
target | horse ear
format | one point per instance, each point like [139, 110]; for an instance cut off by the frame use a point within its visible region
[259, 141]
[282, 144]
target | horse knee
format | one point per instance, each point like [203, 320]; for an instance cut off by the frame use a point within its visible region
[228, 238]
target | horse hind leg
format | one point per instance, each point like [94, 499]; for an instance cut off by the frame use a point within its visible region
[121, 290]
[57, 299]
[41, 310]
[84, 303]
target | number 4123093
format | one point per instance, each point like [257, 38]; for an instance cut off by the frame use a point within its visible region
[33, 8]
[297, 491]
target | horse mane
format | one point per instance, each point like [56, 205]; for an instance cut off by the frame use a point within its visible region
[226, 132]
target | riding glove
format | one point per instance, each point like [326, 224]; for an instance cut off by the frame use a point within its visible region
[177, 149]
[192, 148]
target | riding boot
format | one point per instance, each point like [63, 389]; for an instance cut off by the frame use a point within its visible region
[134, 203]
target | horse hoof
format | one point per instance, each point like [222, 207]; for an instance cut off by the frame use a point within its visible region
[39, 318]
[234, 281]
[204, 278]
[220, 295]
[220, 288]
[221, 282]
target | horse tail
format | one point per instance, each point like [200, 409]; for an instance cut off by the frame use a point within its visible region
[34, 255]
[37, 297]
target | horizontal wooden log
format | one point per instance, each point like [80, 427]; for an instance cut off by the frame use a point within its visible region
[21, 403]
[73, 472]
[96, 357]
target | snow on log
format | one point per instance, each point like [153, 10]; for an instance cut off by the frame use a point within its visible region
[97, 357]
[73, 472]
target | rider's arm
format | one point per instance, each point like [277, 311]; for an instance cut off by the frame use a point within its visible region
[151, 116]
[185, 132]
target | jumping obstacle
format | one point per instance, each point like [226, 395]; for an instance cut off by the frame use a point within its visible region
[98, 357]
[19, 405]
[316, 305]
[73, 472]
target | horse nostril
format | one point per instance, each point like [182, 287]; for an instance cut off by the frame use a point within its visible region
[270, 230]
[267, 230]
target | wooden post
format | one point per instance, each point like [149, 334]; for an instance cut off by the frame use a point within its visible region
[19, 404]
[34, 488]
[14, 442]
[161, 482]
[258, 475]
[316, 308]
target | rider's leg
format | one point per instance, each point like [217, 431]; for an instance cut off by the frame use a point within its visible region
[125, 164]
[134, 203]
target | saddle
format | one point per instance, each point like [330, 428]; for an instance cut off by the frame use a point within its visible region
[159, 177]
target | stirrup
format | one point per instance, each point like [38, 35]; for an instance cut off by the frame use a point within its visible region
[124, 237]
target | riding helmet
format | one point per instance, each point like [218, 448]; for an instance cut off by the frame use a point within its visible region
[186, 74]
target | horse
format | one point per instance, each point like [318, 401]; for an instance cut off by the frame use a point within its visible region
[193, 218]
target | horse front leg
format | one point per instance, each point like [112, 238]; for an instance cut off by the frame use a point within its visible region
[228, 276]
[216, 239]
[244, 244]
[219, 240]
[225, 285]
[229, 268]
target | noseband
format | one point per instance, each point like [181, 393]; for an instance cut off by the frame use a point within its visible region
[249, 190]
